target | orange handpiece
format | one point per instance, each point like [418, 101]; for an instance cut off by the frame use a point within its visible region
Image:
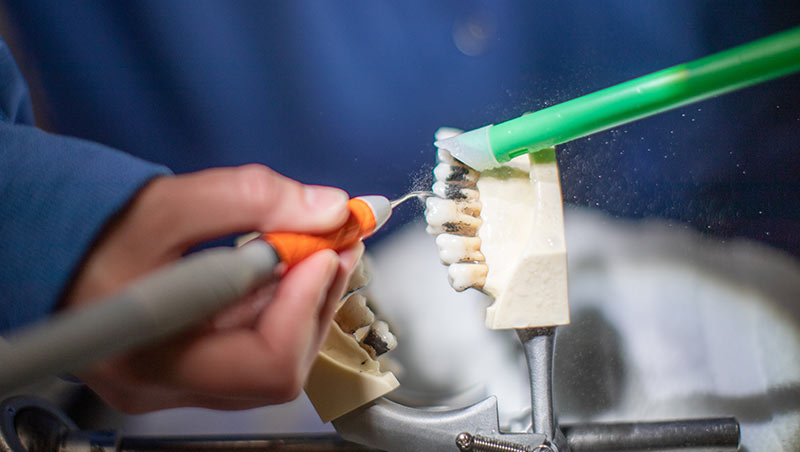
[293, 247]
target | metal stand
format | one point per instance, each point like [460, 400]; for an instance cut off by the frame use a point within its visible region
[30, 425]
[539, 346]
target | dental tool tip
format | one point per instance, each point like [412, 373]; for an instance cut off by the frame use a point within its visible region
[421, 195]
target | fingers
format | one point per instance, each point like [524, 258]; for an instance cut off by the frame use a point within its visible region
[270, 363]
[291, 321]
[240, 368]
[347, 263]
[260, 354]
[245, 312]
[222, 201]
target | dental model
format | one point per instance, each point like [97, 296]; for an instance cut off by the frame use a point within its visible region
[501, 231]
[346, 373]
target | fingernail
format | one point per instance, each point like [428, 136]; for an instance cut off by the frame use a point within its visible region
[326, 200]
[351, 257]
[359, 251]
[333, 265]
[333, 260]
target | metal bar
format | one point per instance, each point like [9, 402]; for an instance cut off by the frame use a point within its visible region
[86, 441]
[306, 443]
[713, 433]
[538, 344]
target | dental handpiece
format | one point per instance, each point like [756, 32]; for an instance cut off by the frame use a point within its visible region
[367, 215]
[170, 300]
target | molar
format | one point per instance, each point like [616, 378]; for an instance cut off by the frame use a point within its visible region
[456, 174]
[354, 314]
[455, 192]
[457, 248]
[378, 340]
[462, 276]
[448, 216]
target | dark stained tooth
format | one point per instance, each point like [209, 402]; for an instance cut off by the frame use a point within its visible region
[470, 208]
[452, 226]
[378, 340]
[446, 215]
[455, 192]
[460, 228]
[457, 227]
[454, 216]
[459, 175]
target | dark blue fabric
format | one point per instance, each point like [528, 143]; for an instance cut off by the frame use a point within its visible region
[56, 194]
[349, 93]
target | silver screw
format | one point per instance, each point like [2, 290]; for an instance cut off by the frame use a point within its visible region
[464, 441]
[476, 443]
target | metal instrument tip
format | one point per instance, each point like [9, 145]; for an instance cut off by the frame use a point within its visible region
[421, 195]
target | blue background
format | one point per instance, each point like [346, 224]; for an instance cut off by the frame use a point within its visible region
[349, 93]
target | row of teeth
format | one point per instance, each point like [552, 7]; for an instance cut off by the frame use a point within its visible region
[453, 215]
[355, 317]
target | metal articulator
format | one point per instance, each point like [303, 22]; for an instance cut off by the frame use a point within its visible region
[389, 426]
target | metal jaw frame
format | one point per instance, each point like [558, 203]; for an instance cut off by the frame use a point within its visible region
[28, 424]
[389, 426]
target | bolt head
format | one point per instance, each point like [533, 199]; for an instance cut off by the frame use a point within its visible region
[464, 441]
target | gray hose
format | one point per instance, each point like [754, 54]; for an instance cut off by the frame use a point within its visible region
[149, 309]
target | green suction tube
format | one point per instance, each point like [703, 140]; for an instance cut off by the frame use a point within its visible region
[741, 66]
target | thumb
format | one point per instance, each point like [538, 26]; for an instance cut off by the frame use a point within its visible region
[222, 201]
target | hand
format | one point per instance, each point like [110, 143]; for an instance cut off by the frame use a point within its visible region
[258, 352]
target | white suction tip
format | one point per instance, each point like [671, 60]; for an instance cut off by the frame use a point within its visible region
[471, 148]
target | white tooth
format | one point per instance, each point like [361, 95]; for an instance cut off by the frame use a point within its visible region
[444, 216]
[446, 132]
[459, 193]
[379, 339]
[457, 248]
[462, 276]
[455, 174]
[354, 314]
[444, 156]
[438, 211]
[450, 209]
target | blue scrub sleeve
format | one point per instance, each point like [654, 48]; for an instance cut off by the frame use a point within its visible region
[56, 195]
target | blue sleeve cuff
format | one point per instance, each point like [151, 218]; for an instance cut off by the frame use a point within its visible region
[56, 195]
